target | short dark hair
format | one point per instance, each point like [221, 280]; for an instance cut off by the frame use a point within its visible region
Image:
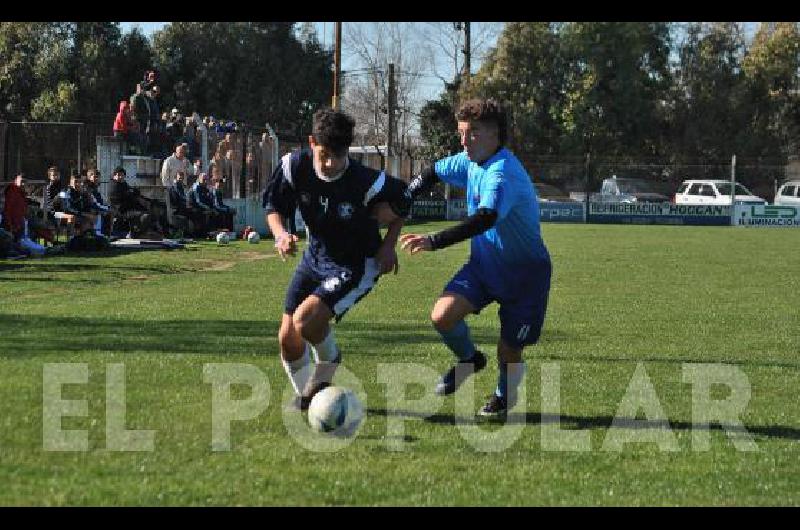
[119, 169]
[485, 110]
[333, 129]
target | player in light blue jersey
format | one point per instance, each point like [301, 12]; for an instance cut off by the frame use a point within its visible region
[508, 261]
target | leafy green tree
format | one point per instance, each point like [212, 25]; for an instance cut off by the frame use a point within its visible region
[67, 70]
[617, 82]
[33, 56]
[771, 69]
[526, 72]
[251, 71]
[709, 110]
[438, 125]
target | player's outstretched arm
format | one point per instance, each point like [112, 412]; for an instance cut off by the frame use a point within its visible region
[422, 182]
[285, 243]
[473, 225]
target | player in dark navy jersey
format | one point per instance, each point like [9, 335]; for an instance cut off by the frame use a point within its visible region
[342, 203]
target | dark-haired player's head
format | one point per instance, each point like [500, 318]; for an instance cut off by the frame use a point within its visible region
[92, 176]
[331, 136]
[482, 127]
[75, 180]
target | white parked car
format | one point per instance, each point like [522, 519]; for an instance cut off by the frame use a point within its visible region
[788, 194]
[714, 192]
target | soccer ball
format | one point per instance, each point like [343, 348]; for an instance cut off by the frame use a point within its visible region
[335, 410]
[253, 237]
[223, 238]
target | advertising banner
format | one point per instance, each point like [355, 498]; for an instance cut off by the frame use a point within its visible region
[658, 213]
[772, 216]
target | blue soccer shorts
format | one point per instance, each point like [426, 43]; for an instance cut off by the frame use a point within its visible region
[522, 295]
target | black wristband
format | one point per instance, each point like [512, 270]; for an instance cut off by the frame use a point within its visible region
[473, 225]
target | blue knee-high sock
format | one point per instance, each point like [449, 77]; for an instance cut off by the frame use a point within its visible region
[459, 342]
[508, 379]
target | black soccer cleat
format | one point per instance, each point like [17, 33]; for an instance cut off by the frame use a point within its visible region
[495, 408]
[303, 401]
[459, 373]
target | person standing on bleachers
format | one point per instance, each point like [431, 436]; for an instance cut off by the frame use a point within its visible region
[178, 161]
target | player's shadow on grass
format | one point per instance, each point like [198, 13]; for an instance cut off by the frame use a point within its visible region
[35, 334]
[569, 422]
[36, 271]
[38, 266]
[25, 335]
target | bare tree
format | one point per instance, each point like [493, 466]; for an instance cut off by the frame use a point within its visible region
[444, 45]
[372, 46]
[418, 50]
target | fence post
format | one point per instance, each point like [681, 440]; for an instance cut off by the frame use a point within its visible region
[275, 149]
[79, 148]
[733, 189]
[586, 170]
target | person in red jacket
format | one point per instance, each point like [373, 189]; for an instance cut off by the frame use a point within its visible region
[15, 208]
[122, 123]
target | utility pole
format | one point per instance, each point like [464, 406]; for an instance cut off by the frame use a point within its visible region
[337, 63]
[466, 53]
[391, 109]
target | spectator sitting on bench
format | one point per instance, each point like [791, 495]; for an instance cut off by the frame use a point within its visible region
[15, 208]
[75, 205]
[201, 199]
[225, 212]
[98, 205]
[183, 218]
[22, 215]
[54, 187]
[129, 205]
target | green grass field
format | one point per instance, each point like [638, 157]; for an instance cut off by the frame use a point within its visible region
[621, 295]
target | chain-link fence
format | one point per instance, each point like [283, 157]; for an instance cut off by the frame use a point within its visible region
[246, 157]
[31, 148]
